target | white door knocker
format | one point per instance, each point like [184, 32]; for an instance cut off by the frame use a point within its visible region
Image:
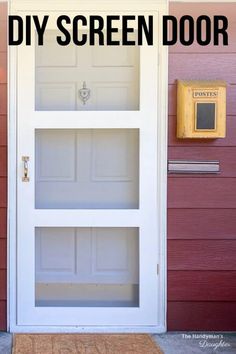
[84, 93]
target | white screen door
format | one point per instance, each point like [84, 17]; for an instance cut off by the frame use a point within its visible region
[87, 231]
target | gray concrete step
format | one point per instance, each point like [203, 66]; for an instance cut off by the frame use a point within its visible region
[196, 342]
[5, 343]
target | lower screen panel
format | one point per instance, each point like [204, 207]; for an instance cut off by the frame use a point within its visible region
[87, 267]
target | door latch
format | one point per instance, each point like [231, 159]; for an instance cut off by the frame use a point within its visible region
[25, 177]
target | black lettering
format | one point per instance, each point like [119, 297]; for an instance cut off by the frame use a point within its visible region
[96, 30]
[13, 23]
[111, 30]
[220, 30]
[66, 33]
[186, 19]
[207, 30]
[76, 30]
[146, 28]
[28, 30]
[127, 30]
[40, 28]
[169, 22]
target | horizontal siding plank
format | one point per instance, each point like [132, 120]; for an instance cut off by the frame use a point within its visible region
[3, 68]
[201, 316]
[195, 11]
[3, 99]
[3, 284]
[201, 255]
[3, 192]
[3, 161]
[3, 130]
[226, 142]
[172, 99]
[197, 192]
[225, 155]
[3, 312]
[190, 67]
[3, 38]
[3, 253]
[202, 224]
[201, 286]
[3, 222]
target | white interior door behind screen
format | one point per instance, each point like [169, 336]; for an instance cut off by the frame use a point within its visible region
[87, 217]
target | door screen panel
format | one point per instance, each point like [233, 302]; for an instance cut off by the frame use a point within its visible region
[87, 266]
[110, 74]
[87, 169]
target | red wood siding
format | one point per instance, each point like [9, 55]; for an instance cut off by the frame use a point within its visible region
[184, 65]
[202, 315]
[200, 192]
[3, 164]
[202, 255]
[200, 286]
[202, 208]
[3, 314]
[193, 224]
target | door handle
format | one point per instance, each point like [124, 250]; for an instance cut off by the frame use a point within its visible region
[25, 177]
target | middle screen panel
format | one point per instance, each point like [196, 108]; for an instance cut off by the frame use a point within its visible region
[87, 169]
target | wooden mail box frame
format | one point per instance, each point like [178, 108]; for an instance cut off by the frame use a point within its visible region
[201, 109]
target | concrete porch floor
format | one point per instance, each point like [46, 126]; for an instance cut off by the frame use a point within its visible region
[171, 343]
[195, 343]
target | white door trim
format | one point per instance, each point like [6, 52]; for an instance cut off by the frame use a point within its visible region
[162, 193]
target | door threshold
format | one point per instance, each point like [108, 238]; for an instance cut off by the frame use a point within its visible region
[91, 329]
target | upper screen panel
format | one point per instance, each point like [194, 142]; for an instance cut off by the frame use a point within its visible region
[86, 78]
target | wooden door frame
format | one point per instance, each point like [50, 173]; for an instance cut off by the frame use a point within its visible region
[162, 120]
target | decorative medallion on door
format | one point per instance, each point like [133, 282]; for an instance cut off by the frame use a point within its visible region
[84, 93]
